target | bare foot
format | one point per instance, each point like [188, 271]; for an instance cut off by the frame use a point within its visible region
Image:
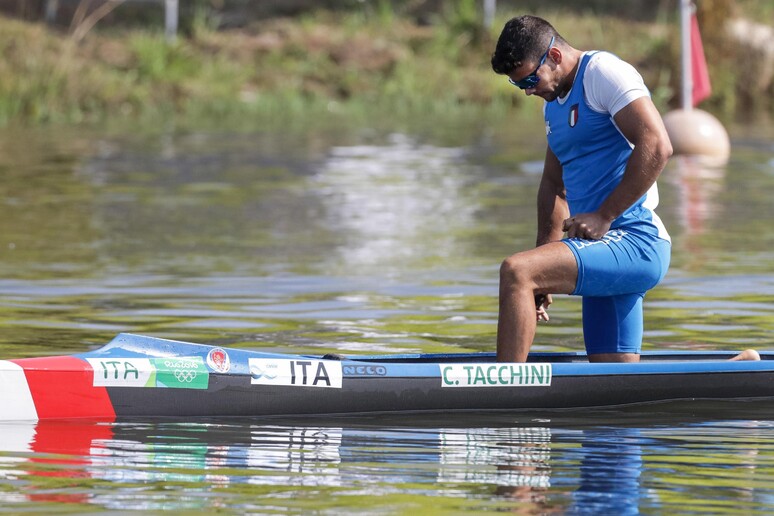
[747, 354]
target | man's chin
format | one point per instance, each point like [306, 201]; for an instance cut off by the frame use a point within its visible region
[549, 97]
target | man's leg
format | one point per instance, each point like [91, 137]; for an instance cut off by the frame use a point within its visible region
[615, 273]
[612, 328]
[548, 269]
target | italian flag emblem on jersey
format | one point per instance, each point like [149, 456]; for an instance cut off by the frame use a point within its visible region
[573, 115]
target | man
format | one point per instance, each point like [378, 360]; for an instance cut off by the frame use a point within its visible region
[606, 147]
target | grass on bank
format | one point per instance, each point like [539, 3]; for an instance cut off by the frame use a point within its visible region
[358, 62]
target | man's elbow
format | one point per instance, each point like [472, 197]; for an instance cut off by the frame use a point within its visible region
[663, 150]
[667, 149]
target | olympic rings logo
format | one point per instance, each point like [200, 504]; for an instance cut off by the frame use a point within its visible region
[185, 376]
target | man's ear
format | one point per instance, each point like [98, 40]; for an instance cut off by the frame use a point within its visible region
[556, 55]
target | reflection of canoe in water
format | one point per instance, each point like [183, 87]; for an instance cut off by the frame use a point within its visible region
[137, 376]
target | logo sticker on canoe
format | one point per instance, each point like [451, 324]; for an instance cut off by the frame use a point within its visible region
[295, 372]
[181, 372]
[123, 372]
[219, 360]
[495, 375]
[364, 370]
[176, 372]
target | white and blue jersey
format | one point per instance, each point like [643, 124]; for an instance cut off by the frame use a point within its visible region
[589, 145]
[614, 272]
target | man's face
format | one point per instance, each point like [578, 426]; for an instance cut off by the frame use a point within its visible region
[537, 78]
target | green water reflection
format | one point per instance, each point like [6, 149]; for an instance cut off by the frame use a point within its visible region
[359, 240]
[660, 461]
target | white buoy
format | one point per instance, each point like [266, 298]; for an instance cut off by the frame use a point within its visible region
[693, 131]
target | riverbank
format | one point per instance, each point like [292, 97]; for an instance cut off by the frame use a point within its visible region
[353, 64]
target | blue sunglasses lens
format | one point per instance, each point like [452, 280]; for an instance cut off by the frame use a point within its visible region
[527, 82]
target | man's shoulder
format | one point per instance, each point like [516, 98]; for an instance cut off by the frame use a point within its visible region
[602, 61]
[610, 83]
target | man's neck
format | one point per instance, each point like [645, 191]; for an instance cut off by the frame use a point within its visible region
[574, 59]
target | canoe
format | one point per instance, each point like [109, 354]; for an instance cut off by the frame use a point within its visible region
[140, 376]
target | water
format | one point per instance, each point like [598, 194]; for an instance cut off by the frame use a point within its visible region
[361, 240]
[657, 460]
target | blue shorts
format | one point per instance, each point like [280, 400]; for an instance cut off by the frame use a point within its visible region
[613, 275]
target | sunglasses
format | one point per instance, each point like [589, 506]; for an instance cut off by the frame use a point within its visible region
[532, 79]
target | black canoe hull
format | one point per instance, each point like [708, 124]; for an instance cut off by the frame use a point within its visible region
[137, 376]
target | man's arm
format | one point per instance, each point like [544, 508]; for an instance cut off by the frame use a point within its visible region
[551, 201]
[552, 211]
[641, 124]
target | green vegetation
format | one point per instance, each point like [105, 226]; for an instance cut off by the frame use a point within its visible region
[358, 63]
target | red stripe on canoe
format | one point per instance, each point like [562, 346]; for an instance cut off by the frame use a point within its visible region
[63, 387]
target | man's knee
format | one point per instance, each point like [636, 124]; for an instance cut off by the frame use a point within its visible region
[513, 271]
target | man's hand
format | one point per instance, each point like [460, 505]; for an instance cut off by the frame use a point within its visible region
[590, 226]
[542, 302]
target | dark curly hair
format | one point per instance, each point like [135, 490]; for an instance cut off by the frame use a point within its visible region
[523, 39]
